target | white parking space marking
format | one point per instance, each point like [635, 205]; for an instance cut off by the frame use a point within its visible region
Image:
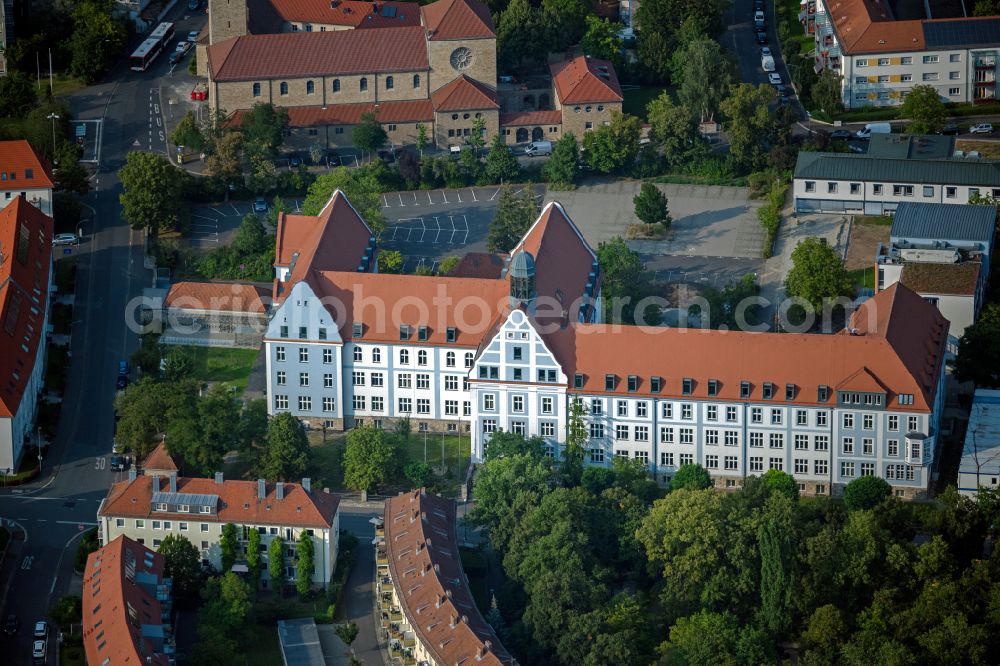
[415, 201]
[473, 194]
[385, 201]
[459, 195]
[430, 202]
[444, 195]
[203, 217]
[495, 194]
[400, 195]
[436, 229]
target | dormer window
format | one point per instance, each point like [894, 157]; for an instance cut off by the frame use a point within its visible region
[823, 393]
[404, 332]
[655, 384]
[422, 333]
[768, 390]
[713, 387]
[633, 383]
[578, 380]
[789, 391]
[283, 332]
[609, 382]
[452, 334]
[687, 386]
[358, 330]
[161, 506]
[744, 389]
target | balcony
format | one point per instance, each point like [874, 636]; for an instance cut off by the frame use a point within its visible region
[986, 63]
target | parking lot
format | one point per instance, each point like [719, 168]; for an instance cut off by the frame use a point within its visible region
[216, 225]
[428, 225]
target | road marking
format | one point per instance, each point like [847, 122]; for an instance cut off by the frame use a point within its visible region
[75, 522]
[459, 195]
[430, 202]
[473, 194]
[26, 562]
[235, 210]
[495, 194]
[444, 195]
[398, 194]
[385, 201]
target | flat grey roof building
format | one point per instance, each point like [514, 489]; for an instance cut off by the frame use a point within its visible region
[945, 222]
[843, 166]
[300, 643]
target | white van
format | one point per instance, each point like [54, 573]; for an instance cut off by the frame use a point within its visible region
[873, 128]
[767, 63]
[538, 148]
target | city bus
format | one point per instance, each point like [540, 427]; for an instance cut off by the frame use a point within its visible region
[151, 47]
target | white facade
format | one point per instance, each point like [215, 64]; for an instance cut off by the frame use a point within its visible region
[980, 463]
[870, 197]
[41, 198]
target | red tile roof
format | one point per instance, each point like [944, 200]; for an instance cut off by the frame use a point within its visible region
[216, 296]
[531, 118]
[334, 240]
[422, 549]
[479, 265]
[864, 26]
[348, 13]
[238, 502]
[458, 19]
[409, 111]
[899, 341]
[25, 258]
[463, 94]
[159, 460]
[120, 579]
[16, 159]
[584, 79]
[317, 54]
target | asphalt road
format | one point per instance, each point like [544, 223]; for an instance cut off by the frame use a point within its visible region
[52, 512]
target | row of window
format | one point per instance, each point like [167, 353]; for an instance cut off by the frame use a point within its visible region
[389, 83]
[884, 94]
[517, 403]
[905, 60]
[281, 354]
[950, 192]
[905, 78]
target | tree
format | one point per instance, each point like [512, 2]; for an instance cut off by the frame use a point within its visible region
[234, 597]
[576, 438]
[17, 96]
[674, 129]
[625, 281]
[825, 630]
[751, 128]
[347, 632]
[71, 176]
[817, 274]
[601, 39]
[501, 165]
[263, 128]
[254, 559]
[306, 565]
[187, 133]
[923, 107]
[253, 425]
[369, 457]
[369, 134]
[286, 453]
[98, 37]
[866, 492]
[152, 192]
[448, 264]
[477, 139]
[782, 483]
[707, 77]
[409, 167]
[825, 93]
[421, 138]
[276, 562]
[691, 476]
[667, 24]
[651, 205]
[563, 164]
[390, 261]
[68, 610]
[509, 443]
[978, 358]
[361, 187]
[513, 217]
[729, 308]
[183, 564]
[777, 567]
[564, 22]
[519, 36]
[613, 146]
[419, 473]
[141, 414]
[703, 639]
[228, 544]
[224, 162]
[506, 484]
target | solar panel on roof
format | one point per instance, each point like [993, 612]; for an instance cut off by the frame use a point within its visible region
[971, 32]
[388, 11]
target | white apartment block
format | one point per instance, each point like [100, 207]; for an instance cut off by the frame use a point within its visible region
[148, 508]
[880, 57]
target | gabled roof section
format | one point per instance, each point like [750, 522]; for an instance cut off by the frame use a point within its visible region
[119, 579]
[584, 79]
[237, 502]
[217, 296]
[457, 19]
[25, 257]
[404, 111]
[329, 53]
[862, 381]
[21, 168]
[159, 460]
[351, 13]
[422, 549]
[463, 94]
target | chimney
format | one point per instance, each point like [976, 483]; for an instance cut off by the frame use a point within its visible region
[279, 490]
[173, 482]
[218, 477]
[454, 620]
[483, 650]
[131, 475]
[261, 489]
[440, 601]
[307, 484]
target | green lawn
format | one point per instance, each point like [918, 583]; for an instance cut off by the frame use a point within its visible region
[219, 364]
[66, 85]
[457, 451]
[637, 97]
[863, 277]
[788, 11]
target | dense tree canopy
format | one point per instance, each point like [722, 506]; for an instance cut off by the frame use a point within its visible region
[923, 107]
[978, 357]
[152, 189]
[817, 274]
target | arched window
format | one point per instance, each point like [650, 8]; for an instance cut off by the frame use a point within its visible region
[336, 85]
[468, 359]
[416, 80]
[310, 87]
[283, 88]
[364, 84]
[404, 357]
[256, 90]
[422, 357]
[389, 83]
[449, 359]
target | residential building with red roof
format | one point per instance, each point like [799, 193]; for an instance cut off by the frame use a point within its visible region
[883, 49]
[25, 286]
[127, 606]
[24, 172]
[427, 612]
[147, 508]
[512, 350]
[434, 66]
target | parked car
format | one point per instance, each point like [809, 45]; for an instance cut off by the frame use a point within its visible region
[11, 626]
[950, 129]
[765, 51]
[841, 134]
[182, 47]
[124, 368]
[260, 205]
[774, 79]
[981, 128]
[65, 239]
[873, 128]
[41, 629]
[119, 463]
[538, 148]
[294, 161]
[175, 57]
[38, 652]
[761, 37]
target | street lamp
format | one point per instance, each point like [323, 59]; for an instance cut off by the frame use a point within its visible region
[53, 117]
[38, 442]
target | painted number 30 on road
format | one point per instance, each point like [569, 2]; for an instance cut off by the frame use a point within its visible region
[100, 462]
